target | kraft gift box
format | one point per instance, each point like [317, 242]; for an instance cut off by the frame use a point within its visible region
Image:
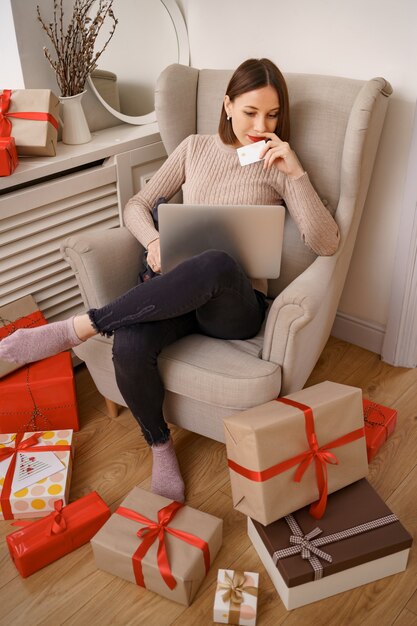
[67, 528]
[295, 450]
[8, 156]
[158, 544]
[31, 116]
[358, 540]
[40, 396]
[380, 422]
[35, 472]
[236, 597]
[22, 313]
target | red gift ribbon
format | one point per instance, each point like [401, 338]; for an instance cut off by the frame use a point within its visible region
[10, 153]
[28, 445]
[156, 530]
[5, 123]
[320, 455]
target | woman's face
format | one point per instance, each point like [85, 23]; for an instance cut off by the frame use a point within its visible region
[252, 112]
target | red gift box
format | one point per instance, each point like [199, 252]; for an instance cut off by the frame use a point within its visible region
[39, 396]
[380, 422]
[68, 527]
[8, 156]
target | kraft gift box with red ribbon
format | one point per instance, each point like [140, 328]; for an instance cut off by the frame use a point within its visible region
[31, 117]
[296, 450]
[21, 313]
[236, 597]
[158, 544]
[358, 540]
[35, 472]
[40, 396]
[380, 422]
[67, 528]
[8, 156]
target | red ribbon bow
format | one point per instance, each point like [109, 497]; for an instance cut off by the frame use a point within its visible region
[319, 454]
[58, 523]
[156, 530]
[5, 123]
[31, 444]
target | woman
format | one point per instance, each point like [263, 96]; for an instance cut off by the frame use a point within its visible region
[209, 293]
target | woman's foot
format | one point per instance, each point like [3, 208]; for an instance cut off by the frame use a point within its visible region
[26, 345]
[166, 476]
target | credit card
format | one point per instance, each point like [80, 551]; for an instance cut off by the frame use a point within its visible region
[250, 154]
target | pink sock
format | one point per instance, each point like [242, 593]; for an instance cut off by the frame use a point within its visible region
[166, 476]
[32, 344]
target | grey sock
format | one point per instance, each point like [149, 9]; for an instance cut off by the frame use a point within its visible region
[166, 476]
[32, 344]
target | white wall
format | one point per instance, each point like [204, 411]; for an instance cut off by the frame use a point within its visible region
[11, 76]
[356, 38]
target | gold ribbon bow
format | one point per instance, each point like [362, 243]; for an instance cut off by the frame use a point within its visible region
[235, 588]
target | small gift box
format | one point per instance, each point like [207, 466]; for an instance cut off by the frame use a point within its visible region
[380, 422]
[39, 396]
[67, 528]
[357, 541]
[236, 597]
[22, 313]
[31, 117]
[158, 544]
[35, 472]
[8, 156]
[295, 450]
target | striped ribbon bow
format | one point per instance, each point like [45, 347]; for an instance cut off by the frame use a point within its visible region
[307, 545]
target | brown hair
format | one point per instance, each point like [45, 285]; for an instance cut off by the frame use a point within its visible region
[250, 75]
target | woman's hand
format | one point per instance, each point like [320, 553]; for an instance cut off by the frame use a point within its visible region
[280, 153]
[154, 255]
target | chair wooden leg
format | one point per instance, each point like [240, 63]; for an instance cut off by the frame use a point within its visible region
[112, 408]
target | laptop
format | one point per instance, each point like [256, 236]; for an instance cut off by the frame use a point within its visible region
[252, 234]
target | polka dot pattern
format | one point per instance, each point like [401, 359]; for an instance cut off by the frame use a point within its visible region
[38, 499]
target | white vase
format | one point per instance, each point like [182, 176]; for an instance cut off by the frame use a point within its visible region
[75, 128]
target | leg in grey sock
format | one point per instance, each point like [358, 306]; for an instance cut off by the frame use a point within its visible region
[33, 344]
[166, 476]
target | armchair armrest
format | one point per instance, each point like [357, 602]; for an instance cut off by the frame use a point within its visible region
[299, 322]
[106, 263]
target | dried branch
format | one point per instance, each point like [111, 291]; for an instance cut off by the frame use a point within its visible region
[74, 57]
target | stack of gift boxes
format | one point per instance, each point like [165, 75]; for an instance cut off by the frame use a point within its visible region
[297, 468]
[28, 125]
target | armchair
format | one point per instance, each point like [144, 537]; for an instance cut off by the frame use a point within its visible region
[336, 125]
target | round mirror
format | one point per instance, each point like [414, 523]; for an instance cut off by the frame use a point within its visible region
[150, 35]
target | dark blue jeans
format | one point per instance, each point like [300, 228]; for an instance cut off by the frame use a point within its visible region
[208, 294]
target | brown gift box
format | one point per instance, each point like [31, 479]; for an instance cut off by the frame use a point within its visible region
[270, 434]
[377, 552]
[117, 541]
[34, 137]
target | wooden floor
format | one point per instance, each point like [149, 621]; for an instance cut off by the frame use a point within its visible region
[111, 458]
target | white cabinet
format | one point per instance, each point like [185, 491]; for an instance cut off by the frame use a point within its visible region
[47, 199]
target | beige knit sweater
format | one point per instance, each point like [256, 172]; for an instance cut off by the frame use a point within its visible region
[209, 172]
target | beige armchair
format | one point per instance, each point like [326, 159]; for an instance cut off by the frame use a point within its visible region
[336, 126]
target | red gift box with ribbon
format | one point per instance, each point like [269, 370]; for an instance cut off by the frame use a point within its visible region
[31, 117]
[67, 528]
[158, 544]
[39, 396]
[380, 422]
[8, 156]
[35, 472]
[295, 450]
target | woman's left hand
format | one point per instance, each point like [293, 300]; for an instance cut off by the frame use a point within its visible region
[280, 154]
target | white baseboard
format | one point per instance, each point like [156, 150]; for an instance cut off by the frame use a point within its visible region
[362, 333]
